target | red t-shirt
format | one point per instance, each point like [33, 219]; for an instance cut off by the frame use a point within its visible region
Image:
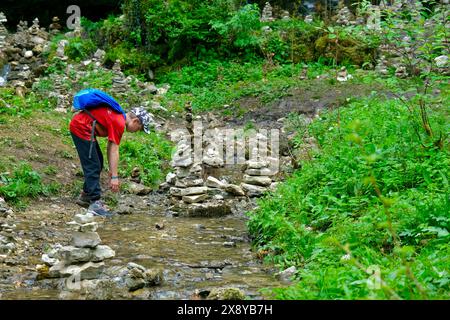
[109, 124]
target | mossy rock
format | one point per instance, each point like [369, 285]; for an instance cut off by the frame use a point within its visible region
[346, 50]
[226, 294]
[303, 53]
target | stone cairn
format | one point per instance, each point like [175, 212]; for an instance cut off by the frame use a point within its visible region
[55, 27]
[373, 20]
[258, 178]
[7, 230]
[188, 187]
[343, 75]
[119, 81]
[3, 31]
[308, 18]
[83, 258]
[23, 54]
[285, 15]
[187, 181]
[382, 67]
[99, 57]
[401, 72]
[267, 13]
[304, 73]
[344, 17]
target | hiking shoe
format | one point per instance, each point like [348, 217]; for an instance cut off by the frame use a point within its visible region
[98, 208]
[83, 200]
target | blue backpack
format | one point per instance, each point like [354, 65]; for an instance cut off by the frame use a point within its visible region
[92, 98]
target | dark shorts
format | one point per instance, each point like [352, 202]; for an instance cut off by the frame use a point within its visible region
[92, 167]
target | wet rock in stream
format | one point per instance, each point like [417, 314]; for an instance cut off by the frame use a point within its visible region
[82, 259]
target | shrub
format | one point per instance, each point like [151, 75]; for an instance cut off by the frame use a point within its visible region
[330, 221]
[24, 182]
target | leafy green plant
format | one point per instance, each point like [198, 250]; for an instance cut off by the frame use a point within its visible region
[330, 218]
[23, 183]
[79, 49]
[149, 156]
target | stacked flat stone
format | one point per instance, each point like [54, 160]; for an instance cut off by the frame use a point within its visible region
[7, 238]
[213, 156]
[304, 73]
[344, 16]
[7, 229]
[3, 31]
[374, 17]
[119, 81]
[83, 258]
[285, 15]
[77, 32]
[23, 50]
[343, 75]
[381, 66]
[22, 26]
[267, 14]
[59, 92]
[401, 72]
[258, 176]
[55, 27]
[308, 18]
[99, 57]
[5, 210]
[34, 29]
[187, 183]
[60, 51]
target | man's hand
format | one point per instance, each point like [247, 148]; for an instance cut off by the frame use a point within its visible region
[114, 184]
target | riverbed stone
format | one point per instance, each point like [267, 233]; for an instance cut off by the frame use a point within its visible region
[171, 177]
[226, 294]
[85, 239]
[134, 284]
[287, 274]
[252, 190]
[257, 164]
[138, 189]
[215, 183]
[257, 180]
[180, 192]
[88, 217]
[49, 261]
[89, 270]
[88, 227]
[209, 209]
[132, 265]
[138, 277]
[234, 190]
[260, 172]
[102, 252]
[229, 244]
[195, 198]
[70, 255]
[189, 182]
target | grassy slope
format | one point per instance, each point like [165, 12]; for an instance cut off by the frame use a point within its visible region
[329, 208]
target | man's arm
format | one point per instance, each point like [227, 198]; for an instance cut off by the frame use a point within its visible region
[113, 161]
